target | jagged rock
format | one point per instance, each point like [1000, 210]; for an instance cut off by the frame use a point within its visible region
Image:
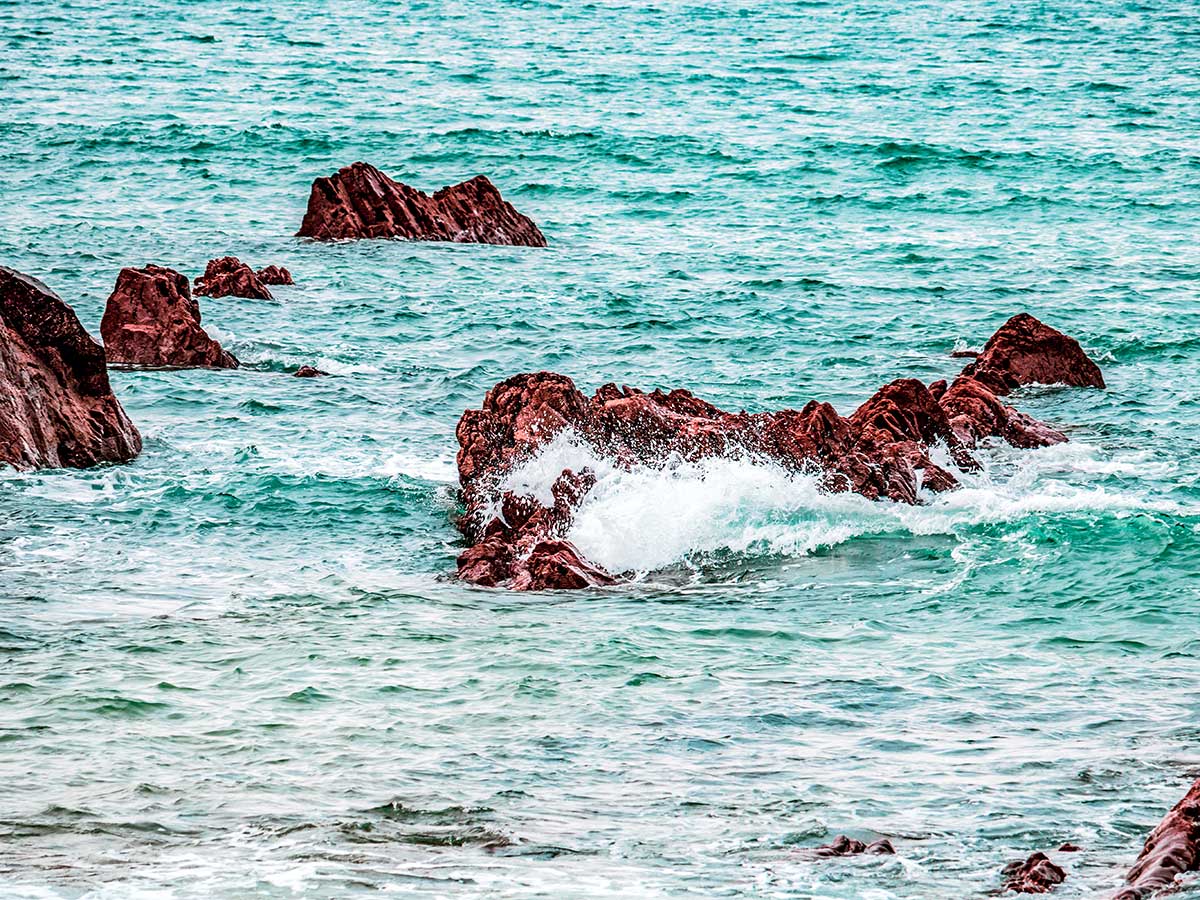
[308, 372]
[1036, 875]
[275, 275]
[882, 450]
[359, 201]
[848, 846]
[151, 319]
[1172, 849]
[1026, 351]
[230, 277]
[57, 408]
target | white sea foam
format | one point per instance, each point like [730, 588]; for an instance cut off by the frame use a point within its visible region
[648, 518]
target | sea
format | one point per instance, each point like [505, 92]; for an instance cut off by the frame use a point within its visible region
[241, 665]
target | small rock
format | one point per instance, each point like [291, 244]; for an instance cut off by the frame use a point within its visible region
[308, 372]
[275, 275]
[230, 277]
[1036, 875]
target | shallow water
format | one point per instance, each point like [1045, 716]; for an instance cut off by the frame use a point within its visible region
[239, 667]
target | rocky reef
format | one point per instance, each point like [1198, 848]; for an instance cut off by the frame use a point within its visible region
[152, 319]
[230, 277]
[56, 406]
[848, 846]
[1035, 875]
[275, 275]
[882, 450]
[359, 201]
[1172, 849]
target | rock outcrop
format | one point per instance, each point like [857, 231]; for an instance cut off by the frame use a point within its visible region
[56, 406]
[1035, 875]
[230, 277]
[1026, 351]
[308, 372]
[275, 275]
[359, 201]
[1172, 849]
[151, 319]
[881, 451]
[848, 846]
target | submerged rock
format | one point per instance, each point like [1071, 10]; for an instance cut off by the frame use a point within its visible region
[1036, 875]
[57, 408]
[308, 372]
[848, 846]
[1172, 849]
[230, 277]
[882, 450]
[275, 275]
[359, 201]
[151, 319]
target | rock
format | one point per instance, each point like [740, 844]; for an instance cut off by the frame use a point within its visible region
[359, 201]
[57, 408]
[151, 319]
[1036, 875]
[275, 275]
[1026, 351]
[881, 451]
[1068, 847]
[308, 372]
[976, 413]
[230, 277]
[1172, 849]
[847, 846]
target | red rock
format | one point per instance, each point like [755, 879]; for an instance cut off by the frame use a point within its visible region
[230, 277]
[1026, 351]
[882, 450]
[359, 201]
[1068, 847]
[1036, 875]
[151, 319]
[847, 846]
[308, 372]
[1172, 849]
[57, 408]
[975, 413]
[275, 275]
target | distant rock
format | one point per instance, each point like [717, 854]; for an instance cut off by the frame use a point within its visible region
[1068, 847]
[1172, 849]
[1026, 351]
[151, 319]
[275, 275]
[883, 450]
[1036, 875]
[847, 846]
[308, 372]
[359, 201]
[57, 408]
[230, 277]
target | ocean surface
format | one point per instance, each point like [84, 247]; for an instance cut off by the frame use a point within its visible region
[241, 666]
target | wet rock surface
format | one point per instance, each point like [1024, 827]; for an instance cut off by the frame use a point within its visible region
[881, 451]
[848, 846]
[274, 275]
[309, 372]
[1172, 849]
[57, 408]
[1035, 875]
[359, 201]
[230, 277]
[152, 319]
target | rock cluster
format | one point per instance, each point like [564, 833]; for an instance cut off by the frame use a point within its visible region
[230, 277]
[152, 319]
[56, 406]
[848, 846]
[882, 450]
[1172, 849]
[1036, 875]
[359, 201]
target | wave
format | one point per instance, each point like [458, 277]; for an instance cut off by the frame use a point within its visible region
[648, 519]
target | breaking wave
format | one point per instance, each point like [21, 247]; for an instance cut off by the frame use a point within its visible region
[646, 519]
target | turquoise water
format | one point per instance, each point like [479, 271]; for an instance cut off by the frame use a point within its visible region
[240, 667]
